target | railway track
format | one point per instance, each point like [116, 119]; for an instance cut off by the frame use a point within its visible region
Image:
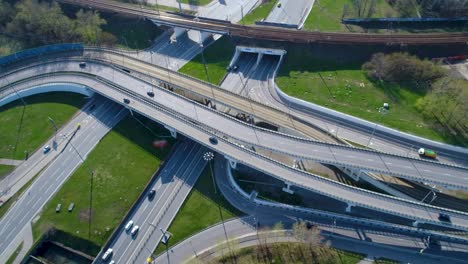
[272, 33]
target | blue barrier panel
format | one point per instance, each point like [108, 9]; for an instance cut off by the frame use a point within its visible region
[29, 53]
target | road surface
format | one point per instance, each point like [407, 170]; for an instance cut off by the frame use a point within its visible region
[98, 122]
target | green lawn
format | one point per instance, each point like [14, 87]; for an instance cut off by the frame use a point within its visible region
[326, 14]
[196, 2]
[5, 169]
[258, 13]
[131, 33]
[217, 58]
[286, 252]
[32, 121]
[201, 209]
[123, 162]
[336, 81]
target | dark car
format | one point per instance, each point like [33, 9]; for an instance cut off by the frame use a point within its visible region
[150, 94]
[82, 64]
[126, 100]
[151, 194]
[444, 218]
[213, 140]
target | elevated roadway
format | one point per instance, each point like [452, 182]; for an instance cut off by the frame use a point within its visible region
[172, 111]
[225, 126]
[270, 33]
[374, 238]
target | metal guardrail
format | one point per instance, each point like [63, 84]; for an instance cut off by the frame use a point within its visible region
[236, 188]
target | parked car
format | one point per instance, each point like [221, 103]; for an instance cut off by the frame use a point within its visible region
[71, 206]
[57, 209]
[126, 100]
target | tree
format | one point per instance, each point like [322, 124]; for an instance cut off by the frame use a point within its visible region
[88, 26]
[403, 68]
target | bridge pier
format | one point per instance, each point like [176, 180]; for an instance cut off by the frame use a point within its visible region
[172, 130]
[348, 208]
[203, 36]
[177, 33]
[232, 162]
[288, 189]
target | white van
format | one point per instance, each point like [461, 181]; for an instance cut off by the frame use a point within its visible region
[107, 254]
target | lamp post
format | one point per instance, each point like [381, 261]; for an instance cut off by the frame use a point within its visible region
[208, 156]
[383, 110]
[91, 179]
[55, 127]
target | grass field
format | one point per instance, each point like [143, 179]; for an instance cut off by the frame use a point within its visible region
[33, 121]
[326, 14]
[123, 162]
[201, 209]
[340, 84]
[217, 57]
[253, 255]
[4, 170]
[258, 13]
[196, 2]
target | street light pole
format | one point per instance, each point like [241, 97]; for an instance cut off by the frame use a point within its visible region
[55, 127]
[382, 111]
[208, 156]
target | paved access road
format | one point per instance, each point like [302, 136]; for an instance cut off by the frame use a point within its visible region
[226, 126]
[291, 12]
[96, 124]
[170, 116]
[174, 182]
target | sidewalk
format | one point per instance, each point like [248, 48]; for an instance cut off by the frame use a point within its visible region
[10, 162]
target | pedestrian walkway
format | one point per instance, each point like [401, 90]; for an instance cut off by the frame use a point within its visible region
[10, 162]
[28, 241]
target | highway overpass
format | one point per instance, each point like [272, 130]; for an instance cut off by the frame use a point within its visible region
[222, 125]
[179, 113]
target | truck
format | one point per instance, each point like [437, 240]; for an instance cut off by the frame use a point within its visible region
[427, 153]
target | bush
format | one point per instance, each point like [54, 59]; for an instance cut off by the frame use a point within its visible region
[402, 68]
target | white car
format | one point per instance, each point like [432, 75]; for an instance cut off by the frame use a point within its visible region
[129, 225]
[107, 254]
[134, 230]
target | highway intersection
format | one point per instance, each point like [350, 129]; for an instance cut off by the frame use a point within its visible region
[104, 74]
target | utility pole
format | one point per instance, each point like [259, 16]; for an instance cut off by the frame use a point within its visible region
[55, 127]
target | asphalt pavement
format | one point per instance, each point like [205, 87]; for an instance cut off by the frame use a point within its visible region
[365, 239]
[154, 215]
[291, 12]
[93, 127]
[166, 100]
